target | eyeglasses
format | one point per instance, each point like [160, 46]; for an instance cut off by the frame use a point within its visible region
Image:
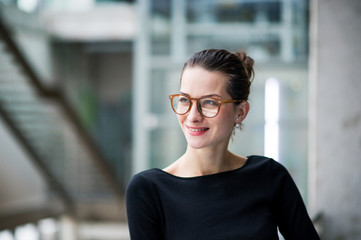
[207, 106]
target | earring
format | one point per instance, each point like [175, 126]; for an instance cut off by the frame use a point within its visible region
[237, 124]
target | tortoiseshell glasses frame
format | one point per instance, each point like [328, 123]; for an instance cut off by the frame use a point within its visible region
[208, 106]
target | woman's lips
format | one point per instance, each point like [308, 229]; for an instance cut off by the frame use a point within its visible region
[196, 131]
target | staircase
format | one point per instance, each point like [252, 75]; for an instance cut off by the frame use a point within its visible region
[49, 130]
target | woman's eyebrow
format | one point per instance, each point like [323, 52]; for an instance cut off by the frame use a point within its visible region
[184, 93]
[212, 95]
[209, 95]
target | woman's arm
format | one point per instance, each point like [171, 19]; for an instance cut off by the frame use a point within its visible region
[143, 210]
[294, 221]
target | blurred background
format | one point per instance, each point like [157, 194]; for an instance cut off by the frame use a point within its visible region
[84, 104]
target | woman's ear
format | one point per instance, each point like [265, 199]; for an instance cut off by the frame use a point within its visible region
[242, 111]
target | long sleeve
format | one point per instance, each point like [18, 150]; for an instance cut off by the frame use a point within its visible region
[294, 221]
[143, 210]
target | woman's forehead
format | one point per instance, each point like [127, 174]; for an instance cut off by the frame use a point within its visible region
[198, 81]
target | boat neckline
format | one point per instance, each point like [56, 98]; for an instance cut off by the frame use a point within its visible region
[208, 175]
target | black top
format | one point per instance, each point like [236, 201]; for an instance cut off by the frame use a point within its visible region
[247, 203]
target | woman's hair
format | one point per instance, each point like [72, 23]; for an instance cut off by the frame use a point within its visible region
[237, 66]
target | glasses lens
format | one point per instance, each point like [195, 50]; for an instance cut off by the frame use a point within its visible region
[181, 104]
[209, 106]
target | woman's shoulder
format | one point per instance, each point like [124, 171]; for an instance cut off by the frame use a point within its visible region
[143, 183]
[259, 160]
[266, 163]
[145, 177]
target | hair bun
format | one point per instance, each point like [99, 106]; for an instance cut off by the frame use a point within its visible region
[247, 63]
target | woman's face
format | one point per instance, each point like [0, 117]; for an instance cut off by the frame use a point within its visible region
[202, 132]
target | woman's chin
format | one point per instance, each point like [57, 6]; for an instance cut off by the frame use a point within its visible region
[196, 144]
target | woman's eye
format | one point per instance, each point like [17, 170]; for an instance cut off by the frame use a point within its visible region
[210, 102]
[183, 100]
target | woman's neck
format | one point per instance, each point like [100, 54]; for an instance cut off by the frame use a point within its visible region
[205, 161]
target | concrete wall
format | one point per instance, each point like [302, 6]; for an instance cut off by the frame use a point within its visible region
[335, 116]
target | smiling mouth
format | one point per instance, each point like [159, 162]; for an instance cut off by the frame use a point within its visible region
[197, 130]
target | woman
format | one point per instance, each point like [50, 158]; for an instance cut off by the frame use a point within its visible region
[209, 192]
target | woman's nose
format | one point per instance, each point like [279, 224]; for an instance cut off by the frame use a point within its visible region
[194, 114]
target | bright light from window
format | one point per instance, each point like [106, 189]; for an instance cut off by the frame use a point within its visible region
[6, 235]
[48, 228]
[271, 130]
[27, 5]
[26, 232]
